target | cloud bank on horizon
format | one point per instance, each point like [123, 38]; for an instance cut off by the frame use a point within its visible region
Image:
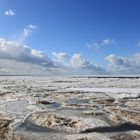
[21, 54]
[16, 58]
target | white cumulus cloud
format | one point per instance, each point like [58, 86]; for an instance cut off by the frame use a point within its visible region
[29, 29]
[107, 42]
[79, 62]
[16, 51]
[97, 45]
[26, 32]
[125, 65]
[10, 12]
[118, 60]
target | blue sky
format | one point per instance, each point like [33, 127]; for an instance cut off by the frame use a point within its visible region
[103, 32]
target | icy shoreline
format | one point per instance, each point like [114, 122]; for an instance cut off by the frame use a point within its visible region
[69, 108]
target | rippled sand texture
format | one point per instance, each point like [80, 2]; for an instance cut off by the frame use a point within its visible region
[69, 108]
